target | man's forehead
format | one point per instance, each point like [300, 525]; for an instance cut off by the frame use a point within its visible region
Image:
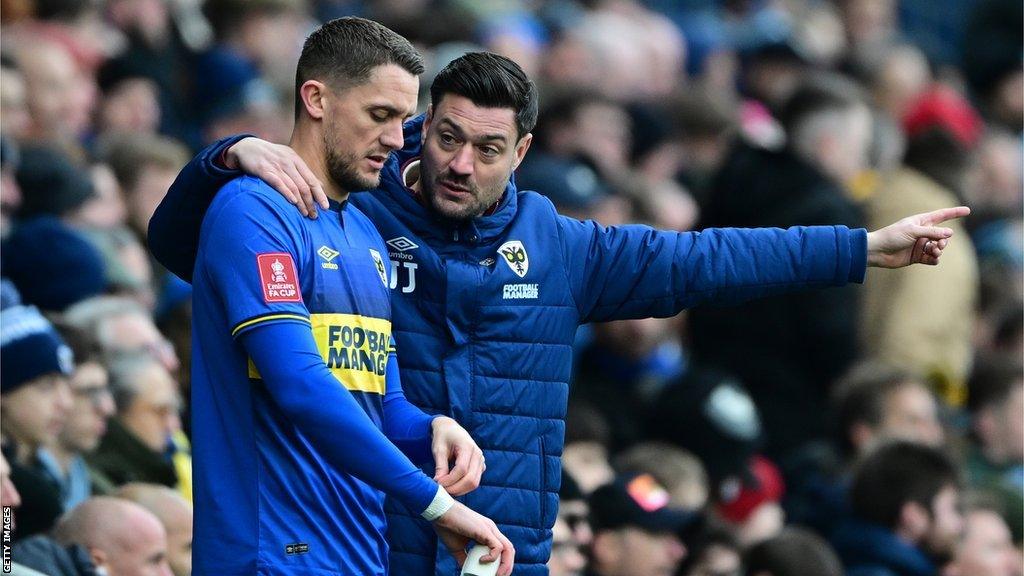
[390, 86]
[475, 121]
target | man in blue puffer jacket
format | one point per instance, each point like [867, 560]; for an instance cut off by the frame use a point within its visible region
[490, 283]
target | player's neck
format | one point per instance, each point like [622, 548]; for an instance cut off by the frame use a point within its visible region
[310, 149]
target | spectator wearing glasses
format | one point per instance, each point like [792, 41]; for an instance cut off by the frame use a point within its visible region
[571, 534]
[138, 445]
[566, 557]
[91, 406]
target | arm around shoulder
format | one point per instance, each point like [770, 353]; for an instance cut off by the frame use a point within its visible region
[173, 234]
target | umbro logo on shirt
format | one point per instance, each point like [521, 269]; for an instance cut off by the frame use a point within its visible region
[402, 244]
[328, 254]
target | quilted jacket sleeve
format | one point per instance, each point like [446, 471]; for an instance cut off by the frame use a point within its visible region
[637, 271]
[173, 235]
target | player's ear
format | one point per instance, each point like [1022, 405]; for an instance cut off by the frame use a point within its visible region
[314, 98]
[521, 147]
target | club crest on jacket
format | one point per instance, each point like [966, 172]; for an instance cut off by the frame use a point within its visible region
[514, 254]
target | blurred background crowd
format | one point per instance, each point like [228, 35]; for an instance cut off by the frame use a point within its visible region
[867, 427]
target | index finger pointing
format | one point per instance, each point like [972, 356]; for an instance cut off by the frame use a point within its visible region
[941, 215]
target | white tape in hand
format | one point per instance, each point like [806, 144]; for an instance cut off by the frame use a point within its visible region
[473, 567]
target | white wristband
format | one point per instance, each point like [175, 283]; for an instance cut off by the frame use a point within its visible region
[441, 503]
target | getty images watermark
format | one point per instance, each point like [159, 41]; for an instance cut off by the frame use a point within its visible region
[8, 517]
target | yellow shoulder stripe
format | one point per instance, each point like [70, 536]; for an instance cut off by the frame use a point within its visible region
[268, 318]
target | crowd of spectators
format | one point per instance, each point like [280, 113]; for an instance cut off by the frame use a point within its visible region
[875, 429]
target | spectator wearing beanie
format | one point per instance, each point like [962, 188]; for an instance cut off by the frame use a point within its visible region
[52, 265]
[50, 183]
[34, 400]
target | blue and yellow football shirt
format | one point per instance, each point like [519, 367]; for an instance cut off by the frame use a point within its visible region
[266, 499]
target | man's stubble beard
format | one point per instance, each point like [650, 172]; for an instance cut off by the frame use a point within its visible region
[428, 188]
[342, 171]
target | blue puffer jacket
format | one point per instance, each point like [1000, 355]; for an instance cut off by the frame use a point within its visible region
[485, 313]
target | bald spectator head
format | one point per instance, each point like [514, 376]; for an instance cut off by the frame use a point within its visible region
[122, 537]
[174, 512]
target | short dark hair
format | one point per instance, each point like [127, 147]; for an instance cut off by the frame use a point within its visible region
[992, 380]
[491, 81]
[896, 474]
[344, 51]
[860, 397]
[794, 552]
